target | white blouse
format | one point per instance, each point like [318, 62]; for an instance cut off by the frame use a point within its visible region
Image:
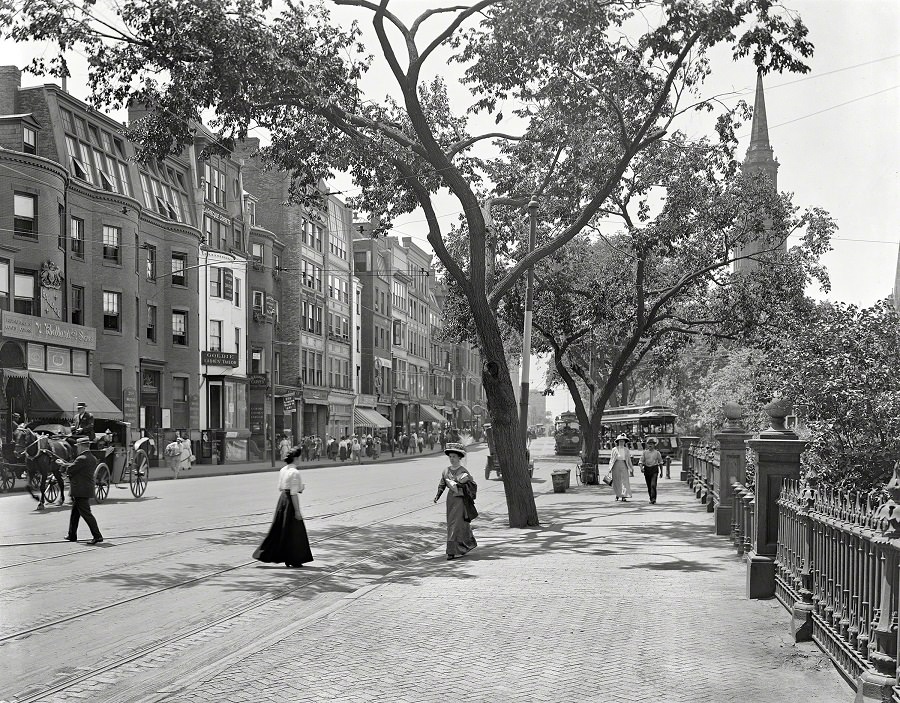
[289, 480]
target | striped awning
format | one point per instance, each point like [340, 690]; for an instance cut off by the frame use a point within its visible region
[364, 417]
[429, 414]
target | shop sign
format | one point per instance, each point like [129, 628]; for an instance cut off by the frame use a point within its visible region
[219, 358]
[260, 380]
[289, 403]
[309, 394]
[194, 409]
[227, 284]
[257, 417]
[36, 329]
[129, 404]
[216, 216]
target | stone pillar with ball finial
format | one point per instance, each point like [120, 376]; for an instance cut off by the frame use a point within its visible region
[778, 451]
[732, 464]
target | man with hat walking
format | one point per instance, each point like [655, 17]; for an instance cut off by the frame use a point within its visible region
[81, 489]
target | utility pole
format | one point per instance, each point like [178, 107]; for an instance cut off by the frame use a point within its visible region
[526, 332]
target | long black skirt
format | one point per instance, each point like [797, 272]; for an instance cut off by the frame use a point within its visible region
[286, 542]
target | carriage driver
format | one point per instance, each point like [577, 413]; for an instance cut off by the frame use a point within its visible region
[83, 423]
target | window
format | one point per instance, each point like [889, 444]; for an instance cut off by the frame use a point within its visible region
[337, 246]
[80, 169]
[275, 311]
[215, 335]
[151, 263]
[179, 262]
[214, 183]
[276, 262]
[237, 342]
[180, 410]
[259, 300]
[215, 282]
[25, 221]
[151, 323]
[112, 236]
[112, 305]
[251, 213]
[237, 292]
[4, 285]
[25, 301]
[312, 367]
[276, 372]
[76, 233]
[256, 252]
[29, 141]
[256, 360]
[179, 328]
[112, 385]
[77, 306]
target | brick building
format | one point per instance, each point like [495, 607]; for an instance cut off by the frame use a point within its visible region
[105, 248]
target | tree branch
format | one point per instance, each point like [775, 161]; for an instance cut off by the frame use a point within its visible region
[466, 143]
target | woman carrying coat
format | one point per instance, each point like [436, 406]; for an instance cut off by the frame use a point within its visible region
[287, 542]
[620, 466]
[461, 488]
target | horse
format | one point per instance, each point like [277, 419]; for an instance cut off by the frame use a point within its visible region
[40, 452]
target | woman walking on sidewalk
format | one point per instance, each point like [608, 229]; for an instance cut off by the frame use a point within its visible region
[620, 466]
[651, 461]
[461, 490]
[287, 542]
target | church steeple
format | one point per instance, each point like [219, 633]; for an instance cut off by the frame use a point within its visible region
[760, 157]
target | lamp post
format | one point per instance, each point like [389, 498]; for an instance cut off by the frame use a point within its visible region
[526, 332]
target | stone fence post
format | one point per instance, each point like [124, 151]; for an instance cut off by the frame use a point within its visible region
[732, 465]
[778, 451]
[686, 443]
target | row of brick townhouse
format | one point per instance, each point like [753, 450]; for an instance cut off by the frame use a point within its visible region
[187, 295]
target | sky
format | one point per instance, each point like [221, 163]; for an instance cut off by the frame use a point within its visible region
[834, 132]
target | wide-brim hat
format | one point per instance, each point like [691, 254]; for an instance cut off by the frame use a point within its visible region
[652, 440]
[455, 448]
[83, 440]
[80, 405]
[622, 438]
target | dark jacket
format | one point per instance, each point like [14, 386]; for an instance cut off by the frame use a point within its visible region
[83, 425]
[469, 491]
[81, 476]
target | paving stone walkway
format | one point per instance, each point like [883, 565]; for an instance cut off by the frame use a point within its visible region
[605, 602]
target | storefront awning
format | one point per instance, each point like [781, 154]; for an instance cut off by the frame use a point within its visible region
[463, 412]
[55, 394]
[363, 417]
[429, 414]
[15, 381]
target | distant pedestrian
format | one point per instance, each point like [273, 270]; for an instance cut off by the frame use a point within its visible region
[355, 449]
[284, 447]
[461, 491]
[392, 444]
[81, 490]
[651, 461]
[342, 449]
[442, 439]
[620, 465]
[287, 542]
[404, 443]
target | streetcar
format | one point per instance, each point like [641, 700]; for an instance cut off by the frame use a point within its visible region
[640, 422]
[567, 434]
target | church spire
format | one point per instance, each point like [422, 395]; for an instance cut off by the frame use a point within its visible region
[759, 133]
[760, 157]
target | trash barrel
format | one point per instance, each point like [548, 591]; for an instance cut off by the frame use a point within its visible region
[559, 480]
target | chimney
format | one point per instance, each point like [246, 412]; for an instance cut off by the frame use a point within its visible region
[10, 82]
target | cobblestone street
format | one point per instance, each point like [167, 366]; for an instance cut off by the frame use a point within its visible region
[605, 602]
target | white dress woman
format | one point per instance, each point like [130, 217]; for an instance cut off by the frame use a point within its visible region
[620, 466]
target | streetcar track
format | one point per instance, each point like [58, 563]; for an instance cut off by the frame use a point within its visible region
[60, 621]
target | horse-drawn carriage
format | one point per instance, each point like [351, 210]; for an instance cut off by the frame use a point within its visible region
[38, 446]
[492, 464]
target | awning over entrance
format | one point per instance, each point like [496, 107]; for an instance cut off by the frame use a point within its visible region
[464, 413]
[15, 381]
[363, 417]
[430, 414]
[56, 394]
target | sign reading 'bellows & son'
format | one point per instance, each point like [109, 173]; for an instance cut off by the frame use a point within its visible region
[36, 329]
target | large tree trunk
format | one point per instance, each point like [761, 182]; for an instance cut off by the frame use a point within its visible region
[502, 406]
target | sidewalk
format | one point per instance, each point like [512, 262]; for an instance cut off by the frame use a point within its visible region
[605, 602]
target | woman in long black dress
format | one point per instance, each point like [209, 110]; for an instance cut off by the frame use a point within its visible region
[287, 542]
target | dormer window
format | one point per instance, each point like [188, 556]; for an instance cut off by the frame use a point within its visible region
[29, 141]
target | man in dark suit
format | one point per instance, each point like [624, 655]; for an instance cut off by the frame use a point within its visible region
[81, 490]
[83, 423]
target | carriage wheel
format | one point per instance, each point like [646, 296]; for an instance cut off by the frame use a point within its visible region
[139, 474]
[101, 482]
[7, 479]
[51, 492]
